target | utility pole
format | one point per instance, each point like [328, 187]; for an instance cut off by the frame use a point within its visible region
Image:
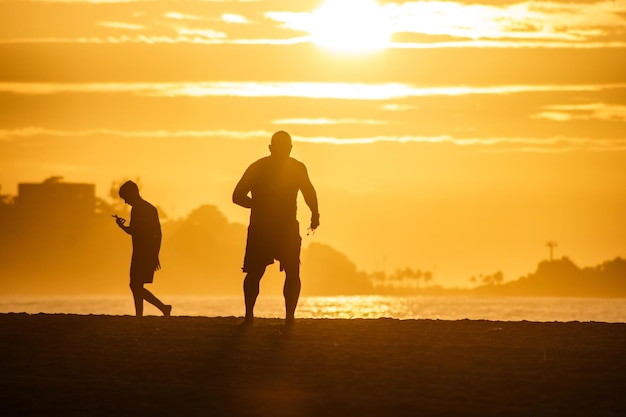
[551, 244]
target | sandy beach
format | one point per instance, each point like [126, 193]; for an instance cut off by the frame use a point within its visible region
[79, 365]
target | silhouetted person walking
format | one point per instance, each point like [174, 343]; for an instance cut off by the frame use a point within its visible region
[145, 229]
[269, 188]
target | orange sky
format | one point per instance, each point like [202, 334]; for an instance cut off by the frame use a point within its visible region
[454, 136]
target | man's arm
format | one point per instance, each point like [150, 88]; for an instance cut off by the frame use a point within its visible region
[310, 198]
[120, 222]
[243, 187]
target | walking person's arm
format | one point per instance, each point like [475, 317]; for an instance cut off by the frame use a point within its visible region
[120, 222]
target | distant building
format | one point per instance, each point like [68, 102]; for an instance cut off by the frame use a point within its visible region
[54, 204]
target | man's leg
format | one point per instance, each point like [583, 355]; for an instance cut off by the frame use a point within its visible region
[251, 286]
[291, 291]
[136, 289]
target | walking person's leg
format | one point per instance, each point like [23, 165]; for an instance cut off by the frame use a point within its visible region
[166, 309]
[136, 288]
[140, 293]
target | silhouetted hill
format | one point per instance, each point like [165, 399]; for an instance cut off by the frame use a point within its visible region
[563, 278]
[326, 271]
[202, 253]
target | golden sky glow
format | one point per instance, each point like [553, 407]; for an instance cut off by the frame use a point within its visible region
[471, 132]
[348, 26]
[344, 25]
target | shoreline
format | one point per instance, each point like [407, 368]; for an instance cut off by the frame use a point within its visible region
[67, 364]
[538, 309]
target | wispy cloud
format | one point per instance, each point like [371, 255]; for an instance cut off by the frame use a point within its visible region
[491, 144]
[397, 107]
[590, 111]
[121, 25]
[192, 22]
[234, 18]
[199, 34]
[92, 1]
[224, 17]
[313, 90]
[184, 16]
[186, 36]
[557, 144]
[136, 1]
[509, 44]
[525, 20]
[26, 132]
[326, 121]
[201, 39]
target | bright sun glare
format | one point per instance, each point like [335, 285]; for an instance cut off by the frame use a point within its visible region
[350, 26]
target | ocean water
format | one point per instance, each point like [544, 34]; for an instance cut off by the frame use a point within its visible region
[542, 309]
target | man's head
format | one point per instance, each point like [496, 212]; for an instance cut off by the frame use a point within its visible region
[129, 192]
[280, 145]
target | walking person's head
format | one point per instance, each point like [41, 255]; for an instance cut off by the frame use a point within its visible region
[280, 145]
[129, 192]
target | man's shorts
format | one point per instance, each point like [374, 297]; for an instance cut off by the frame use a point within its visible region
[264, 245]
[141, 270]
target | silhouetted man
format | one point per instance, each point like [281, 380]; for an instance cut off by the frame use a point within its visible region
[145, 229]
[269, 188]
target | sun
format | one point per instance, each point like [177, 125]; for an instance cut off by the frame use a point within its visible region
[350, 26]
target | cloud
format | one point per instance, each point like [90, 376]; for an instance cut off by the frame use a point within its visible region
[153, 22]
[556, 144]
[225, 40]
[524, 24]
[187, 36]
[397, 107]
[490, 144]
[234, 18]
[508, 44]
[590, 111]
[326, 121]
[198, 34]
[136, 1]
[183, 16]
[121, 25]
[26, 132]
[225, 17]
[311, 90]
[92, 1]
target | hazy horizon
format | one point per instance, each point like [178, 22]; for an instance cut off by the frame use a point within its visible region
[457, 137]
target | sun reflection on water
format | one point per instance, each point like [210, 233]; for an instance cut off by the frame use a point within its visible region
[345, 307]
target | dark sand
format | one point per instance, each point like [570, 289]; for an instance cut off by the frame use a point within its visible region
[69, 365]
